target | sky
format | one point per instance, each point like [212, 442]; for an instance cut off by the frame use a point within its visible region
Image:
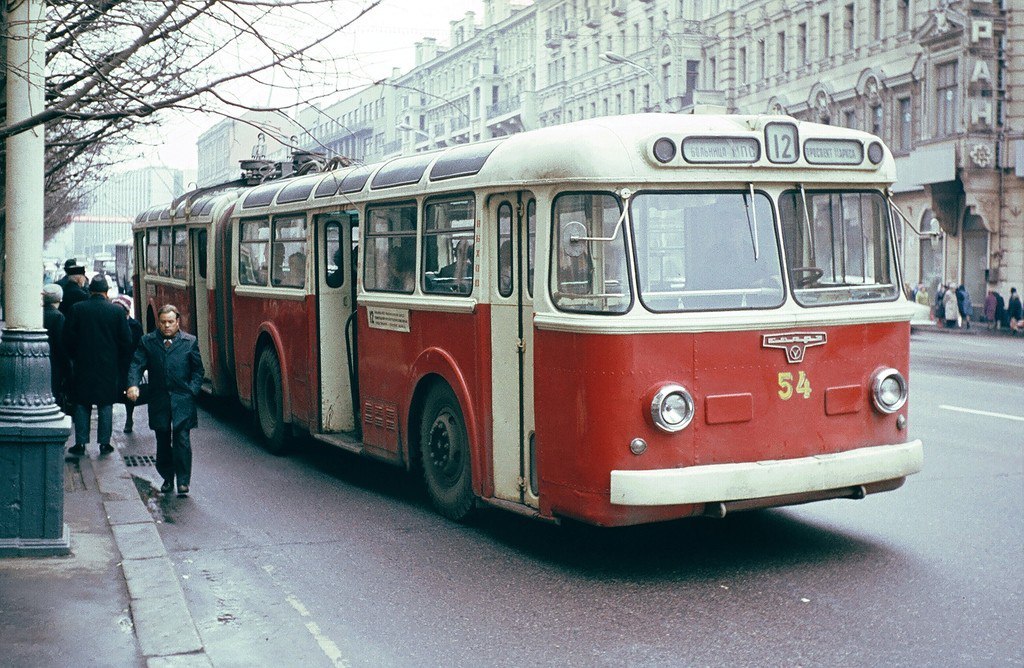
[383, 39]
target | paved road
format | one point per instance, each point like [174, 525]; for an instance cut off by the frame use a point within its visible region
[325, 559]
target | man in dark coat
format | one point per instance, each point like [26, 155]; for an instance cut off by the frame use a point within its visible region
[53, 321]
[95, 336]
[73, 285]
[175, 379]
[135, 327]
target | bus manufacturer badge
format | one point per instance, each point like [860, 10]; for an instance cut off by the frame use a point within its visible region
[794, 343]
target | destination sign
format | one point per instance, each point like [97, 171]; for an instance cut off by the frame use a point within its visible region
[721, 149]
[833, 151]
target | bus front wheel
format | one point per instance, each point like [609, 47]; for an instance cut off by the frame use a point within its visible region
[444, 451]
[269, 411]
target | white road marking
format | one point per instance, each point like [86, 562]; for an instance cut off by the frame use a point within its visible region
[327, 646]
[985, 413]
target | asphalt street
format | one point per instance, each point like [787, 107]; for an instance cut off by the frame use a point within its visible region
[326, 559]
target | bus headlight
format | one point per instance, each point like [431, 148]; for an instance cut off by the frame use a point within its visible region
[672, 408]
[889, 390]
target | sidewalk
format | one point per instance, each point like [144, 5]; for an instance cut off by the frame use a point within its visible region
[977, 329]
[116, 600]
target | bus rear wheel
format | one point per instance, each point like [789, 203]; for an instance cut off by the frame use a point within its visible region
[444, 452]
[269, 410]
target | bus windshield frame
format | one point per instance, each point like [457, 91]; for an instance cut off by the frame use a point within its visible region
[840, 249]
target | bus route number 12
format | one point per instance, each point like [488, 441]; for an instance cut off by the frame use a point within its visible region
[786, 388]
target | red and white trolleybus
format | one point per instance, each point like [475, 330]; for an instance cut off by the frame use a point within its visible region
[621, 320]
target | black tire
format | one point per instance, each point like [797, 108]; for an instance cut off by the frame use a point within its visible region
[269, 403]
[444, 452]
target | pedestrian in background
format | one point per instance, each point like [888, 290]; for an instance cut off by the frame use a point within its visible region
[922, 296]
[940, 310]
[964, 306]
[992, 322]
[950, 310]
[53, 321]
[175, 368]
[73, 285]
[1016, 312]
[125, 361]
[96, 336]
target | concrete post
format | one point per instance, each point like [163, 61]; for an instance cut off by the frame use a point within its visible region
[33, 431]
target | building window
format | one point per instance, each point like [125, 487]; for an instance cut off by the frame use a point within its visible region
[848, 27]
[742, 58]
[903, 9]
[850, 118]
[712, 73]
[905, 123]
[801, 43]
[876, 19]
[826, 35]
[782, 51]
[945, 99]
[760, 59]
[877, 120]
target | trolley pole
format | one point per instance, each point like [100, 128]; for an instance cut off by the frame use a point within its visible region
[33, 430]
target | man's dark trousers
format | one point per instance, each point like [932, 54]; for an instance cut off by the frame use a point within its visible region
[174, 462]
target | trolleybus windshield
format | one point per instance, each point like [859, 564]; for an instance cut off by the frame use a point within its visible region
[706, 251]
[838, 247]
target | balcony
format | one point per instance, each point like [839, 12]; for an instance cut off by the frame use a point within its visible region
[591, 20]
[552, 38]
[503, 107]
[617, 8]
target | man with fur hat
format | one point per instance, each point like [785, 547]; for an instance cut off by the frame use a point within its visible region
[53, 321]
[96, 337]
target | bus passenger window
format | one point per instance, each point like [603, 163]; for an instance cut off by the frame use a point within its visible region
[389, 264]
[153, 252]
[531, 243]
[505, 249]
[448, 247]
[165, 251]
[253, 256]
[288, 254]
[179, 253]
[332, 255]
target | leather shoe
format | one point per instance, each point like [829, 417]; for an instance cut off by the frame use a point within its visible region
[106, 448]
[167, 487]
[182, 490]
[78, 449]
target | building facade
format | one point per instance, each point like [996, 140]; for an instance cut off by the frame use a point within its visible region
[934, 78]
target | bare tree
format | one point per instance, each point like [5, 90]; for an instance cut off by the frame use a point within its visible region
[113, 65]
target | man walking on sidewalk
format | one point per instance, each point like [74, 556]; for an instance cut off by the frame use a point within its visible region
[175, 379]
[95, 336]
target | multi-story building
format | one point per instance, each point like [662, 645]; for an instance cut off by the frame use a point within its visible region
[934, 78]
[107, 219]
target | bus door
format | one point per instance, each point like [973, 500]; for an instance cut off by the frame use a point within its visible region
[201, 297]
[336, 236]
[513, 215]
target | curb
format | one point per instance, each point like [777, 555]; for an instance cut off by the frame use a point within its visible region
[164, 627]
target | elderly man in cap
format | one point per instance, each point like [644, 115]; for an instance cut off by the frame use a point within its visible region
[53, 321]
[73, 285]
[96, 337]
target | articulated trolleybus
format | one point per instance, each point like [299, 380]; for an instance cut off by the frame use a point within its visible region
[621, 320]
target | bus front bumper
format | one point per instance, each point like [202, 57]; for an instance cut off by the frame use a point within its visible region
[775, 478]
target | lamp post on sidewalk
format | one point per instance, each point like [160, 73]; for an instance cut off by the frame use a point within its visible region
[32, 428]
[408, 128]
[617, 59]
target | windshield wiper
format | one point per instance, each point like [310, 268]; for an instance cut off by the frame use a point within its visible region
[752, 221]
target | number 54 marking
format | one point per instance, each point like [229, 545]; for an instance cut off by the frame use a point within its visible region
[786, 389]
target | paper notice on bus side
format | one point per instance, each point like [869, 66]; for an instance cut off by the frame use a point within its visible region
[393, 319]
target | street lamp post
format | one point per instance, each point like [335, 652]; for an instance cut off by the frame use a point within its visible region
[32, 428]
[409, 128]
[617, 59]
